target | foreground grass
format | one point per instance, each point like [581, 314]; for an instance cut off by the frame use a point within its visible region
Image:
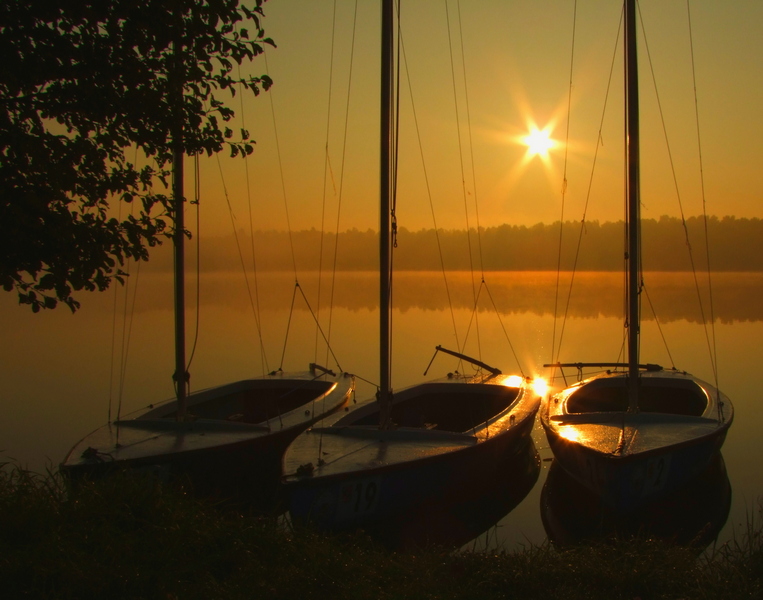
[133, 538]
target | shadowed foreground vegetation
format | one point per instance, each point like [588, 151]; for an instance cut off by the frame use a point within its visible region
[131, 537]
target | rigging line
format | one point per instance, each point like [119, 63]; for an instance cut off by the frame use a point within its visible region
[196, 182]
[599, 143]
[471, 156]
[461, 163]
[503, 328]
[564, 183]
[471, 147]
[263, 356]
[472, 317]
[429, 194]
[126, 336]
[113, 349]
[288, 324]
[114, 320]
[659, 327]
[326, 169]
[280, 170]
[714, 350]
[341, 175]
[318, 326]
[678, 196]
[126, 331]
[238, 245]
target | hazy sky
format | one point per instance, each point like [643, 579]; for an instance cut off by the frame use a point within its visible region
[516, 68]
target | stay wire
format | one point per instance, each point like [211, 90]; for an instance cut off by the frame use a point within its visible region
[326, 172]
[429, 194]
[564, 186]
[461, 163]
[659, 326]
[327, 169]
[263, 355]
[503, 328]
[678, 197]
[127, 334]
[114, 323]
[280, 169]
[714, 350]
[599, 143]
[238, 248]
[471, 148]
[341, 175]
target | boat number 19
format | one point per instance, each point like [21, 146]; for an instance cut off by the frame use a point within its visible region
[359, 497]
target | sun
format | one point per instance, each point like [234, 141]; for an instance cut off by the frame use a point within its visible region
[538, 142]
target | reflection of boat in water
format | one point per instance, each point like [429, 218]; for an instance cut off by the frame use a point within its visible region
[635, 432]
[457, 521]
[690, 516]
[463, 514]
[418, 507]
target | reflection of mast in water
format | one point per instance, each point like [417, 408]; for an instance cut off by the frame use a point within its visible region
[691, 516]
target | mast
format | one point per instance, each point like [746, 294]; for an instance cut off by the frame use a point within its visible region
[385, 171]
[633, 200]
[178, 239]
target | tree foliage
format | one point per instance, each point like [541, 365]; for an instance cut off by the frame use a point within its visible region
[86, 92]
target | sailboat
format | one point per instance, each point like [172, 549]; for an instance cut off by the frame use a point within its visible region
[396, 454]
[637, 431]
[226, 441]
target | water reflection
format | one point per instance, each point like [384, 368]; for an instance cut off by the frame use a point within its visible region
[673, 295]
[467, 513]
[691, 516]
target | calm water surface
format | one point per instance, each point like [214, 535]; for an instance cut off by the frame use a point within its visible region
[61, 372]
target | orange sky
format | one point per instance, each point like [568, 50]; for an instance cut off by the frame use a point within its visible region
[516, 62]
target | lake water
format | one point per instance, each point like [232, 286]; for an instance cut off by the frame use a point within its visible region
[60, 371]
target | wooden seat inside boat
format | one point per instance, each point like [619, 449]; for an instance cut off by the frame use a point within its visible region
[677, 397]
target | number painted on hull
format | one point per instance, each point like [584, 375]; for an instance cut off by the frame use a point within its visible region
[358, 498]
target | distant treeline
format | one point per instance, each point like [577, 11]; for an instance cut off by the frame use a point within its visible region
[735, 245]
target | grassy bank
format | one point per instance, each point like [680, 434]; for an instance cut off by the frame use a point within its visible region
[134, 538]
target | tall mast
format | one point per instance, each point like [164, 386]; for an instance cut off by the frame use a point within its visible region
[385, 172]
[633, 200]
[178, 239]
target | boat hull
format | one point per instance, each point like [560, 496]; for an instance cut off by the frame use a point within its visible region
[218, 451]
[630, 458]
[376, 479]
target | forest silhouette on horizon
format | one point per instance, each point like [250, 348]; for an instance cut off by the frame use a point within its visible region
[736, 245]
